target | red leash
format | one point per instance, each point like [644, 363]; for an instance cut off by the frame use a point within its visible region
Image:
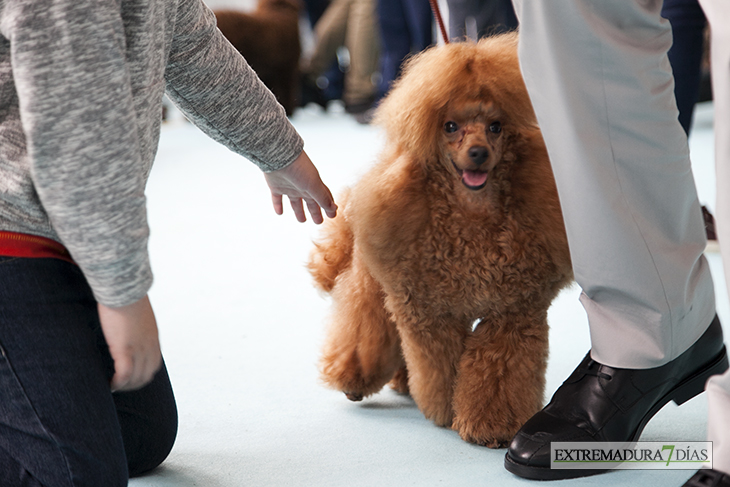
[439, 20]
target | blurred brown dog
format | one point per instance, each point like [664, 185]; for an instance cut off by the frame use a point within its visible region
[268, 38]
[459, 222]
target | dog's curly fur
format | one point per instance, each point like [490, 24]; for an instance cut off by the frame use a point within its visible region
[268, 38]
[459, 222]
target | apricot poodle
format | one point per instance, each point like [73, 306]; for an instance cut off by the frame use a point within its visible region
[446, 255]
[268, 38]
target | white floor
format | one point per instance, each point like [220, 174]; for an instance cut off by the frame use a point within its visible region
[241, 325]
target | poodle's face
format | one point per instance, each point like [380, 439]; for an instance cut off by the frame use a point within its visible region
[473, 141]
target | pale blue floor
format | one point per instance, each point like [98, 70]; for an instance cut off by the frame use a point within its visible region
[241, 325]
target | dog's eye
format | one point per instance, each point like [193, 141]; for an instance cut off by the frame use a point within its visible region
[495, 127]
[450, 127]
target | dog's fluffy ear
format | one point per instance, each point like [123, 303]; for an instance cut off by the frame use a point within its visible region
[414, 109]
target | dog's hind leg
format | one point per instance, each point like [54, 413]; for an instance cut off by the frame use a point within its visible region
[362, 349]
[501, 378]
[399, 383]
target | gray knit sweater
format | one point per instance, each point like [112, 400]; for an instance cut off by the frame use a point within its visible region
[81, 86]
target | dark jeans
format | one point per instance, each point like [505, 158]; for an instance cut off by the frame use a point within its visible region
[688, 24]
[405, 27]
[59, 423]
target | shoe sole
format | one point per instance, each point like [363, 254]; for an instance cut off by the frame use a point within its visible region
[542, 473]
[681, 393]
[695, 384]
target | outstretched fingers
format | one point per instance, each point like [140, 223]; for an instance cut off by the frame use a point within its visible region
[277, 200]
[296, 205]
[301, 183]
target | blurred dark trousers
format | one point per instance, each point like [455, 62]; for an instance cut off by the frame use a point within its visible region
[59, 423]
[405, 27]
[688, 26]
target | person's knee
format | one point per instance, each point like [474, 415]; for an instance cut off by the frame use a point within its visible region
[148, 420]
[152, 444]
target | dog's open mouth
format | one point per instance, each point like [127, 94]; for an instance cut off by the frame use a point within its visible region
[473, 180]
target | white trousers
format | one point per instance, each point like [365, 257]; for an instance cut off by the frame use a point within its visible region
[718, 387]
[603, 91]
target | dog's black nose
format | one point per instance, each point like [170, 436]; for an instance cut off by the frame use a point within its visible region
[478, 154]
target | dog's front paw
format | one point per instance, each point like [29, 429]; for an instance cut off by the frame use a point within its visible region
[484, 432]
[438, 412]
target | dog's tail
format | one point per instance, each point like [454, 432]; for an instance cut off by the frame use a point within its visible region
[333, 252]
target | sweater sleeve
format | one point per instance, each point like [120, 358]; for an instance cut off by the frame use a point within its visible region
[214, 86]
[77, 114]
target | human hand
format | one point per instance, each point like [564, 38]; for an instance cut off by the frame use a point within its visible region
[300, 182]
[131, 334]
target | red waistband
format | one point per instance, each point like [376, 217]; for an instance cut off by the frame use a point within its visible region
[14, 244]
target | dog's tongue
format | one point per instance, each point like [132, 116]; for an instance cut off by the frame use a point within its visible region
[474, 178]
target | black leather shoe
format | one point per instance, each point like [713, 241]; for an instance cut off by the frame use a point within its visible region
[601, 403]
[708, 478]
